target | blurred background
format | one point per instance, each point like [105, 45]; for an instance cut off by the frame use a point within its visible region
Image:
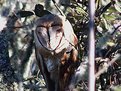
[17, 31]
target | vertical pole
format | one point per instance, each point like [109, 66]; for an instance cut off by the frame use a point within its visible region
[91, 46]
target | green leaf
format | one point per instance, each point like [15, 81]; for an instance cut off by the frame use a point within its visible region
[105, 2]
[81, 11]
[117, 6]
[105, 23]
[110, 43]
[110, 17]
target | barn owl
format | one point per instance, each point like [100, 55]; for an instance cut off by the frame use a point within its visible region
[54, 33]
[54, 37]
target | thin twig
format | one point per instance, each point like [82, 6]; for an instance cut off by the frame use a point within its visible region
[61, 12]
[30, 78]
[110, 63]
[115, 29]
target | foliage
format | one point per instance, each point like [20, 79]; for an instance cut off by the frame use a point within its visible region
[107, 33]
[107, 38]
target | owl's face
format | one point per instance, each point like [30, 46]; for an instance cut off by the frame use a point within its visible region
[50, 33]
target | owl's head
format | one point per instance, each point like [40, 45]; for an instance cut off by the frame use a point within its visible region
[52, 32]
